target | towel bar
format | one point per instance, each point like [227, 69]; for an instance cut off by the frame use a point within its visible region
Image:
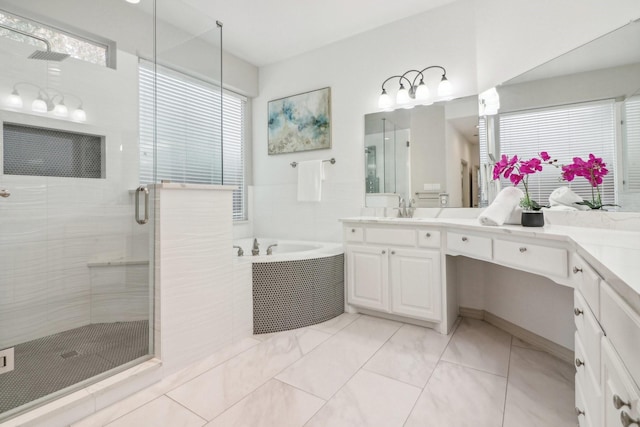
[331, 160]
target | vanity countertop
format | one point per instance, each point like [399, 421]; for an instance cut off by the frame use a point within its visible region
[615, 254]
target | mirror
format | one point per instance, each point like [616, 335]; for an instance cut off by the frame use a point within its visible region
[427, 153]
[605, 71]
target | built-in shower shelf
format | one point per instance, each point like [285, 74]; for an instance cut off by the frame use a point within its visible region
[117, 263]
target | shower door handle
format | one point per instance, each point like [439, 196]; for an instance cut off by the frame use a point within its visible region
[145, 190]
[4, 193]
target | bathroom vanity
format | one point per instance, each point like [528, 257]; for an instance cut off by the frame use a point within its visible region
[398, 268]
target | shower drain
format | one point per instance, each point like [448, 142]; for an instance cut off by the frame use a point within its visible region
[69, 354]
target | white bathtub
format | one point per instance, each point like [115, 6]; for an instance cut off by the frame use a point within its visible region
[287, 250]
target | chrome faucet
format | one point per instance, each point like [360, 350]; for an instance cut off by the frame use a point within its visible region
[402, 208]
[240, 251]
[411, 208]
[269, 250]
[255, 250]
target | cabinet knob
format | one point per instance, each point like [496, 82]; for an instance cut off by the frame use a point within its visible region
[464, 239]
[619, 403]
[577, 311]
[522, 249]
[579, 411]
[428, 235]
[626, 420]
[579, 363]
[393, 252]
[577, 270]
[353, 230]
[384, 252]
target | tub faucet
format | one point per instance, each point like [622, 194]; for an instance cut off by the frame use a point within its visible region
[269, 250]
[255, 250]
[240, 251]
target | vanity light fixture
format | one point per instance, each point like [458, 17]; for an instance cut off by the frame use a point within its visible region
[416, 92]
[133, 1]
[47, 100]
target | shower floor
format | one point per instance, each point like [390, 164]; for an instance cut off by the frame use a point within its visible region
[52, 363]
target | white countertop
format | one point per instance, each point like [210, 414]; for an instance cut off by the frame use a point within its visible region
[615, 254]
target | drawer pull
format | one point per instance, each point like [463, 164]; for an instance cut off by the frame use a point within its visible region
[577, 311]
[384, 252]
[579, 363]
[619, 403]
[393, 252]
[353, 230]
[579, 411]
[428, 235]
[523, 249]
[626, 420]
[577, 270]
[464, 239]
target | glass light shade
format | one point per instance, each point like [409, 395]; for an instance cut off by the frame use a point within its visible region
[444, 88]
[79, 115]
[384, 101]
[422, 92]
[14, 100]
[133, 1]
[61, 110]
[402, 96]
[39, 106]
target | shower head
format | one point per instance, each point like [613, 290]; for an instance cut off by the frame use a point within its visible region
[48, 55]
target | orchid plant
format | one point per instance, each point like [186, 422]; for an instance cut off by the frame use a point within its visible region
[593, 170]
[517, 171]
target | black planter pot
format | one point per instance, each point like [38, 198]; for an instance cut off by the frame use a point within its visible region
[532, 218]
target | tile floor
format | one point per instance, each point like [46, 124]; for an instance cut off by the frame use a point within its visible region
[361, 371]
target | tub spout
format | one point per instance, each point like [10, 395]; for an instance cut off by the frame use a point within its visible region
[240, 251]
[255, 250]
[269, 250]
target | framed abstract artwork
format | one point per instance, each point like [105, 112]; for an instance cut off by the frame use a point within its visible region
[300, 122]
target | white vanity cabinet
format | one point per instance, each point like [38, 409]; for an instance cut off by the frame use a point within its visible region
[621, 395]
[396, 271]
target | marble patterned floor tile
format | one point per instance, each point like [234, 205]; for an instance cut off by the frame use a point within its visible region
[540, 391]
[337, 323]
[479, 345]
[368, 400]
[459, 396]
[273, 404]
[517, 342]
[323, 371]
[410, 355]
[213, 392]
[148, 394]
[160, 412]
[307, 338]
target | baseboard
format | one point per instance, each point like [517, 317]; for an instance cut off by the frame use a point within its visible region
[397, 318]
[525, 335]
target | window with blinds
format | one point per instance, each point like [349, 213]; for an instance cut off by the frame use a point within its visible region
[631, 158]
[564, 132]
[188, 129]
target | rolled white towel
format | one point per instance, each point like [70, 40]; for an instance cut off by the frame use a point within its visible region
[502, 207]
[563, 197]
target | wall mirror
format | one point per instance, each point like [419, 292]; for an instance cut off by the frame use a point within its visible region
[427, 153]
[585, 101]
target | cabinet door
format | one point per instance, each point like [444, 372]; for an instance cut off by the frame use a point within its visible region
[620, 392]
[415, 283]
[367, 277]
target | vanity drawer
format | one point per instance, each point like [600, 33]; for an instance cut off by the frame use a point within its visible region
[392, 236]
[585, 373]
[589, 401]
[621, 324]
[582, 411]
[530, 257]
[428, 239]
[354, 234]
[589, 331]
[473, 246]
[587, 281]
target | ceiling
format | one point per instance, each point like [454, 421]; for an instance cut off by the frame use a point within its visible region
[263, 32]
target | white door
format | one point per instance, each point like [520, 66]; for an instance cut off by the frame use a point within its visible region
[415, 283]
[367, 277]
[620, 394]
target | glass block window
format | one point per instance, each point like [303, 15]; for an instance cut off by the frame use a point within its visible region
[47, 152]
[63, 42]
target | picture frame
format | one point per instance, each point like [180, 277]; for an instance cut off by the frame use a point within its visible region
[300, 122]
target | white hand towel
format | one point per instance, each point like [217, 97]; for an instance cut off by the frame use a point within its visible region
[563, 197]
[500, 210]
[310, 177]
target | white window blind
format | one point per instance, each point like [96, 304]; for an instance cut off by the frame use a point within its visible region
[189, 144]
[564, 132]
[632, 144]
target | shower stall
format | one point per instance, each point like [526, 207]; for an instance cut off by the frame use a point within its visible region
[79, 151]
